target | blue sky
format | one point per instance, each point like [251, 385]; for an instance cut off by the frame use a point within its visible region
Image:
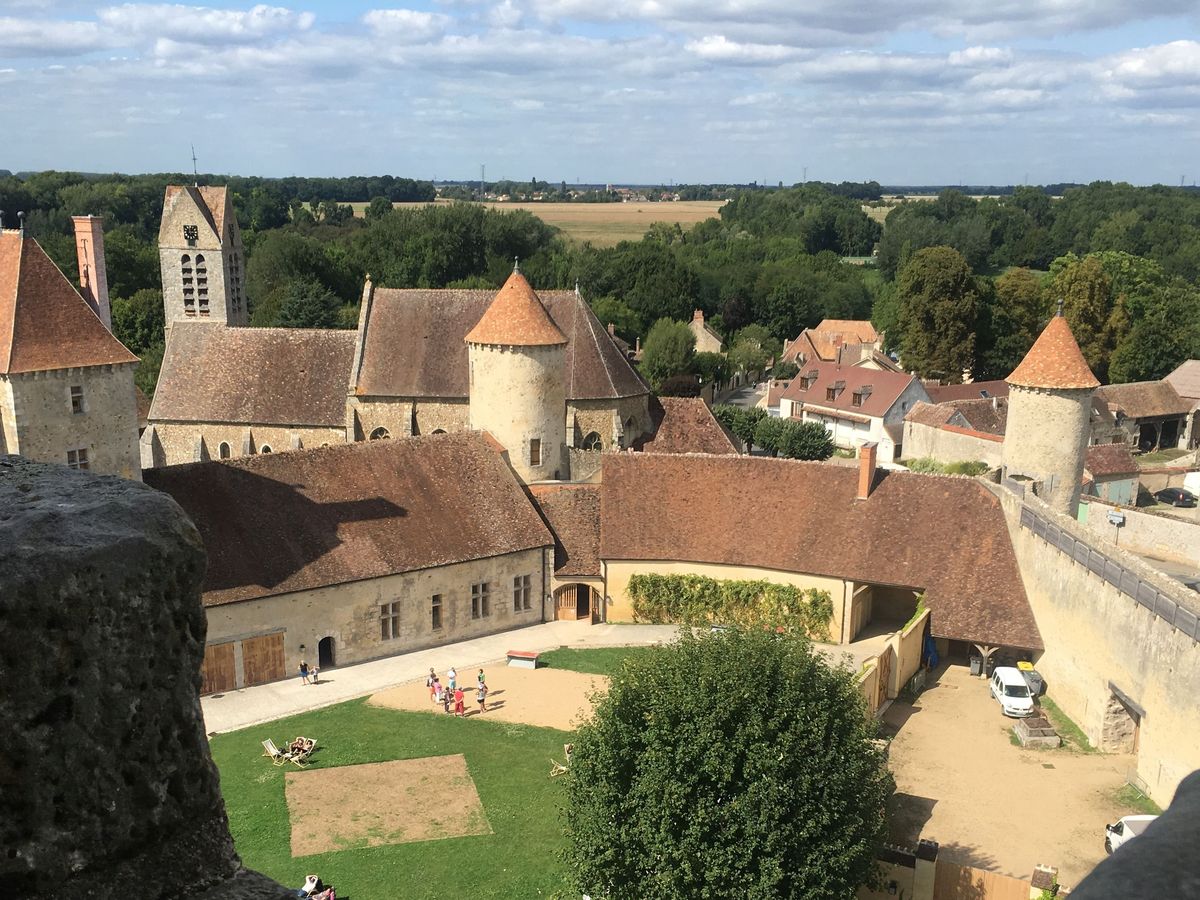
[912, 92]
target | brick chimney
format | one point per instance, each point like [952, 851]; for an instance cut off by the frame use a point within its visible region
[698, 316]
[866, 468]
[93, 277]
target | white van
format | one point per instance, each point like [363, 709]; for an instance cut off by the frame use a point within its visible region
[1012, 691]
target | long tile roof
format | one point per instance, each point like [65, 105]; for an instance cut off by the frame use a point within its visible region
[685, 425]
[972, 390]
[884, 388]
[294, 521]
[1054, 361]
[264, 376]
[1145, 399]
[573, 513]
[944, 535]
[44, 323]
[1110, 459]
[414, 346]
[1186, 379]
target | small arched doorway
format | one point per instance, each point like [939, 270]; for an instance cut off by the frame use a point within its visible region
[325, 653]
[573, 601]
[379, 434]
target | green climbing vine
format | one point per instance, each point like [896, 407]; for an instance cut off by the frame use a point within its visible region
[699, 600]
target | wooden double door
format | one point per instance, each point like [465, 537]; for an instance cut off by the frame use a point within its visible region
[262, 660]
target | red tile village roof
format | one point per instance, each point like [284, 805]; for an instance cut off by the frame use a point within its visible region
[413, 346]
[572, 511]
[263, 376]
[516, 317]
[44, 323]
[685, 425]
[1186, 379]
[944, 535]
[973, 390]
[1144, 399]
[294, 521]
[1054, 361]
[1110, 459]
[885, 388]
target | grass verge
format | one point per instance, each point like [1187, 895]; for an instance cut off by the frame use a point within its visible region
[508, 763]
[1071, 733]
[590, 660]
[1131, 797]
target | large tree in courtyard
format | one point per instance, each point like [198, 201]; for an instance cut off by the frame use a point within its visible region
[734, 765]
[939, 305]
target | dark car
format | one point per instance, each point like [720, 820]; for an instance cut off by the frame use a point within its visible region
[1176, 497]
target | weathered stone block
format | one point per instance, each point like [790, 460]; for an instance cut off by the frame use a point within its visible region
[107, 788]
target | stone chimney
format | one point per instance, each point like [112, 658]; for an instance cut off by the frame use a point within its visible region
[612, 330]
[93, 277]
[866, 468]
[698, 316]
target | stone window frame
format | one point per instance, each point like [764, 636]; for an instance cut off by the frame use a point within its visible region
[435, 612]
[77, 458]
[187, 281]
[535, 451]
[224, 451]
[481, 600]
[201, 266]
[389, 620]
[265, 448]
[592, 441]
[78, 407]
[522, 592]
[379, 434]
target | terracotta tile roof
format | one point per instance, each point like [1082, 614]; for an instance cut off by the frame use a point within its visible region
[885, 388]
[930, 414]
[573, 514]
[989, 416]
[517, 318]
[858, 329]
[210, 199]
[1110, 459]
[295, 521]
[941, 534]
[265, 376]
[44, 323]
[1054, 361]
[944, 393]
[414, 346]
[685, 425]
[775, 389]
[1186, 379]
[1144, 399]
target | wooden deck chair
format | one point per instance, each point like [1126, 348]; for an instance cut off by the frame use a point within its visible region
[557, 768]
[300, 757]
[276, 755]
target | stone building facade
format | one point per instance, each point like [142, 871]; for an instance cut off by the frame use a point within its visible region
[66, 384]
[1049, 410]
[201, 256]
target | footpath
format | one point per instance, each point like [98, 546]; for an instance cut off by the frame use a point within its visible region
[266, 702]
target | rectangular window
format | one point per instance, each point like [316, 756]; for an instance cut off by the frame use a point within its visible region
[535, 452]
[77, 399]
[435, 610]
[522, 593]
[830, 393]
[481, 601]
[856, 399]
[77, 459]
[389, 620]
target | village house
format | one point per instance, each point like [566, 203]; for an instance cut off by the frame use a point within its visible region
[1150, 414]
[707, 340]
[856, 404]
[1110, 473]
[66, 384]
[848, 342]
[957, 431]
[1186, 382]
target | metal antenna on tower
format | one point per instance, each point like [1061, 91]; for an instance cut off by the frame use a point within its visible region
[482, 180]
[804, 177]
[195, 174]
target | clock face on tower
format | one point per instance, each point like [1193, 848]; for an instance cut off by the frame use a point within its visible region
[191, 233]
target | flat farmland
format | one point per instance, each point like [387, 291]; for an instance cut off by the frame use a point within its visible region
[604, 224]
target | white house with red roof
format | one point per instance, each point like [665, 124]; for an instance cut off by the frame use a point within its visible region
[854, 403]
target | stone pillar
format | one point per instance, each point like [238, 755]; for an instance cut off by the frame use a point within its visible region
[107, 788]
[926, 869]
[1045, 878]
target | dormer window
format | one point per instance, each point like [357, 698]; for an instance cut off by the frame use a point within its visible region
[832, 393]
[856, 398]
[809, 379]
[191, 234]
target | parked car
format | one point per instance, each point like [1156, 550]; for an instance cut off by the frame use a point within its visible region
[1012, 692]
[1176, 497]
[1037, 684]
[1125, 831]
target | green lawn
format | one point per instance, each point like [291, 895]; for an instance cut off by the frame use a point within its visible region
[509, 764]
[593, 661]
[1071, 733]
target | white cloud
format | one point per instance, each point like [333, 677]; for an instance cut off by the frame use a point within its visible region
[718, 48]
[411, 25]
[44, 37]
[202, 24]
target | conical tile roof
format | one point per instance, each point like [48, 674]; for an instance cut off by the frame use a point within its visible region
[1054, 361]
[516, 318]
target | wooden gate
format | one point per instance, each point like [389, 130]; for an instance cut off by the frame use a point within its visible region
[217, 673]
[886, 658]
[953, 882]
[263, 659]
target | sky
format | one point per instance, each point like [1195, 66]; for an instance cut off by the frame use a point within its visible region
[622, 91]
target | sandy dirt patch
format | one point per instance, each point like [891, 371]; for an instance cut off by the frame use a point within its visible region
[548, 698]
[990, 804]
[383, 803]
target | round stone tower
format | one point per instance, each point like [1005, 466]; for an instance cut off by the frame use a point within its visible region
[517, 389]
[1049, 409]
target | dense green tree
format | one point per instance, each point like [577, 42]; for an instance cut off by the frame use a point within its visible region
[785, 369]
[712, 368]
[939, 307]
[627, 323]
[768, 434]
[139, 322]
[378, 208]
[1012, 315]
[1084, 289]
[307, 304]
[146, 374]
[667, 350]
[1164, 336]
[684, 783]
[805, 440]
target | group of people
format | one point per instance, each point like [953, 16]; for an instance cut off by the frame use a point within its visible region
[307, 672]
[451, 694]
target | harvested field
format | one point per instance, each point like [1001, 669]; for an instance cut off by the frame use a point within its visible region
[383, 803]
[547, 698]
[604, 224]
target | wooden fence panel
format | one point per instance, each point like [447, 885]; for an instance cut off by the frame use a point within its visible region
[953, 882]
[263, 659]
[217, 673]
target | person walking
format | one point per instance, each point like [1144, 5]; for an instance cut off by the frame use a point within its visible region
[303, 672]
[452, 678]
[481, 696]
[459, 702]
[430, 680]
[447, 699]
[479, 677]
